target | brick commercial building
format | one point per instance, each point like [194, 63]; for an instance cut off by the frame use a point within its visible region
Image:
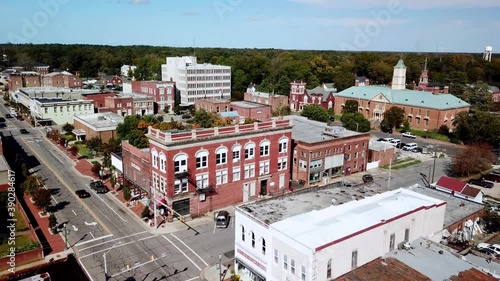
[62, 79]
[271, 99]
[425, 110]
[163, 93]
[136, 167]
[245, 109]
[322, 152]
[201, 170]
[25, 79]
[299, 97]
[101, 125]
[98, 98]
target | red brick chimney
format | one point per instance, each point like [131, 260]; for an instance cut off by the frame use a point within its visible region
[435, 90]
[446, 90]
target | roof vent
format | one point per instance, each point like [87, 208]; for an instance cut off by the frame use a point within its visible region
[406, 99]
[422, 101]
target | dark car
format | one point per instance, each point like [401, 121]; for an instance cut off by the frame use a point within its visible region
[381, 139]
[487, 251]
[386, 130]
[99, 187]
[6, 104]
[8, 116]
[494, 177]
[82, 193]
[24, 131]
[367, 178]
[400, 145]
[481, 182]
[417, 150]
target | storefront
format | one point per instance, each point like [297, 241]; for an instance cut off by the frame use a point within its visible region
[246, 272]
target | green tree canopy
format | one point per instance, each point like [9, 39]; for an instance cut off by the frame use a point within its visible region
[394, 117]
[355, 122]
[315, 112]
[351, 106]
[479, 127]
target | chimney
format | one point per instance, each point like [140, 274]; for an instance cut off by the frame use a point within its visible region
[446, 90]
[435, 90]
[356, 83]
[367, 82]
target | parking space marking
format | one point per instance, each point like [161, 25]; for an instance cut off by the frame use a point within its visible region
[74, 212]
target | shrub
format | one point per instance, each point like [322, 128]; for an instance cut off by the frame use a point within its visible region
[73, 150]
[96, 168]
[127, 193]
[145, 212]
[52, 222]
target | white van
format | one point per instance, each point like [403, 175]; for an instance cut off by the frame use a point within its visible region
[410, 146]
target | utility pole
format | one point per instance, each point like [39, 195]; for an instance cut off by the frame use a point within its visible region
[65, 237]
[106, 276]
[389, 180]
[219, 264]
[434, 166]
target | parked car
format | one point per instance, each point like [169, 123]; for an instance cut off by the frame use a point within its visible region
[409, 135]
[481, 182]
[416, 150]
[395, 142]
[82, 193]
[8, 116]
[367, 178]
[410, 146]
[494, 177]
[386, 130]
[381, 139]
[387, 140]
[99, 187]
[6, 104]
[487, 251]
[401, 145]
[24, 131]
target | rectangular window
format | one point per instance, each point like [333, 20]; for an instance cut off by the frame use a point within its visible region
[249, 153]
[180, 166]
[407, 235]
[221, 177]
[221, 158]
[155, 161]
[285, 262]
[282, 164]
[249, 171]
[180, 186]
[264, 168]
[283, 147]
[292, 266]
[202, 161]
[276, 259]
[201, 181]
[303, 273]
[162, 164]
[236, 174]
[354, 260]
[392, 241]
[264, 150]
[163, 185]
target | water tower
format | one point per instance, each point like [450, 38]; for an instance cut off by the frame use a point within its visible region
[487, 53]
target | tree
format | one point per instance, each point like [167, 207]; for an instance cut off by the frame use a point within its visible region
[94, 143]
[351, 106]
[31, 184]
[73, 150]
[315, 112]
[53, 223]
[355, 122]
[127, 193]
[406, 125]
[42, 198]
[464, 165]
[482, 127]
[204, 118]
[68, 128]
[62, 141]
[96, 168]
[394, 117]
[145, 212]
[478, 96]
[282, 111]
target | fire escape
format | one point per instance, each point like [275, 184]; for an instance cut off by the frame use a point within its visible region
[203, 191]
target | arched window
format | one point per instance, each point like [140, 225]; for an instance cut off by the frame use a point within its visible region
[250, 150]
[253, 239]
[154, 157]
[221, 156]
[242, 233]
[163, 162]
[201, 159]
[283, 145]
[263, 246]
[330, 105]
[180, 163]
[264, 148]
[236, 153]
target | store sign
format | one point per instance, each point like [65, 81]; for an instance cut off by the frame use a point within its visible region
[254, 261]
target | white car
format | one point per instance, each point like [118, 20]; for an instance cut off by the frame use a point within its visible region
[409, 135]
[387, 140]
[410, 146]
[394, 142]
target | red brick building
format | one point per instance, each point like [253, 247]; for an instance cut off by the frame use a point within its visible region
[275, 101]
[202, 170]
[322, 152]
[25, 79]
[111, 80]
[136, 166]
[323, 95]
[98, 98]
[123, 105]
[62, 79]
[41, 68]
[245, 109]
[162, 92]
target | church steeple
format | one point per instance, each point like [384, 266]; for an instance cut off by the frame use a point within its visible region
[424, 77]
[399, 77]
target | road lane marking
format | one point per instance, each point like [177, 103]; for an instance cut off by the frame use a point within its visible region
[175, 246]
[74, 212]
[107, 205]
[215, 226]
[90, 241]
[85, 269]
[118, 238]
[92, 235]
[182, 242]
[104, 250]
[194, 278]
[149, 237]
[63, 182]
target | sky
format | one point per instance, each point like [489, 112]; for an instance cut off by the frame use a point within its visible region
[352, 25]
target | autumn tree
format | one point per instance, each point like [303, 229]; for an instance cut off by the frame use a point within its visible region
[478, 96]
[351, 106]
[315, 112]
[73, 150]
[31, 184]
[94, 143]
[42, 198]
[96, 168]
[464, 165]
[394, 117]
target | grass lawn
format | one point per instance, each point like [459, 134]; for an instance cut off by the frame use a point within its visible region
[22, 241]
[401, 164]
[431, 135]
[21, 224]
[84, 151]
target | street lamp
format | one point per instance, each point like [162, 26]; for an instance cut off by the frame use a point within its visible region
[105, 265]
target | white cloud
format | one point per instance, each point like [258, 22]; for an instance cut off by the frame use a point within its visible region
[416, 4]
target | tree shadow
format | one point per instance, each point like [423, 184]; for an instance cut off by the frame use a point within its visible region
[54, 191]
[57, 207]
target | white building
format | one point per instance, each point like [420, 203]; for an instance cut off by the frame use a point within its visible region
[197, 81]
[297, 237]
[126, 68]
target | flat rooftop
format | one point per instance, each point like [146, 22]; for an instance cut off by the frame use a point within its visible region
[101, 120]
[310, 131]
[247, 104]
[264, 95]
[456, 208]
[379, 146]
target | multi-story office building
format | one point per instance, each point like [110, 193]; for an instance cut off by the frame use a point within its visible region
[197, 81]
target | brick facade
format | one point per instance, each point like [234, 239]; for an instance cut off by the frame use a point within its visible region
[163, 93]
[98, 98]
[23, 80]
[136, 166]
[275, 101]
[62, 80]
[213, 105]
[245, 109]
[300, 97]
[215, 168]
[105, 136]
